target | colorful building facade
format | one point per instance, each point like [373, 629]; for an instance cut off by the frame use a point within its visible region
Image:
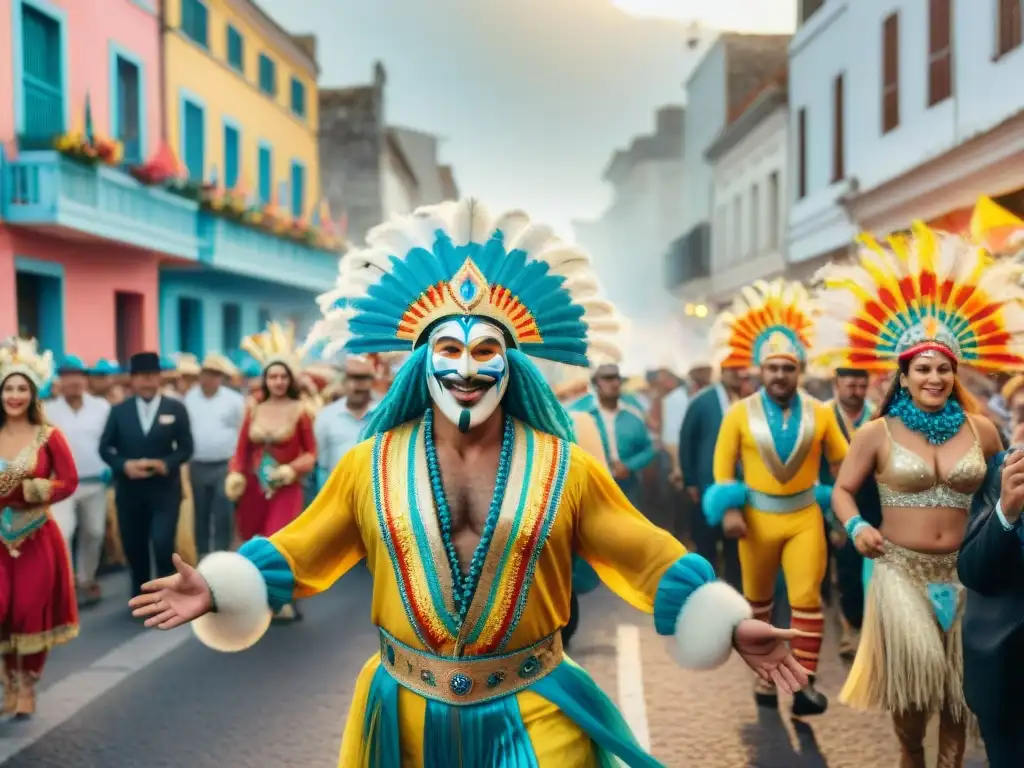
[113, 134]
[241, 106]
[80, 242]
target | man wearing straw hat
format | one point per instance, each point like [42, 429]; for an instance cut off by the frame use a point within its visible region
[215, 412]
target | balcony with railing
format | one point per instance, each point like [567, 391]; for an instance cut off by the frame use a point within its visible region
[230, 246]
[47, 190]
[688, 258]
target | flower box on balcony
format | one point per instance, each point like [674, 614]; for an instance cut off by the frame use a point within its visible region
[245, 249]
[48, 190]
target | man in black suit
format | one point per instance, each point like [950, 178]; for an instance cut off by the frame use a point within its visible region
[991, 566]
[145, 442]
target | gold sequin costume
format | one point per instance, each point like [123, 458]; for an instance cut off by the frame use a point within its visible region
[927, 295]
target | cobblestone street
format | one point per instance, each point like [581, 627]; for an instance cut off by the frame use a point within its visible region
[120, 698]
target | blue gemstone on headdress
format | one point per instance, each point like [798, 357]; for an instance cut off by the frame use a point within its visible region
[495, 679]
[460, 684]
[467, 290]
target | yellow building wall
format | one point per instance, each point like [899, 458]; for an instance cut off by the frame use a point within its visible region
[223, 92]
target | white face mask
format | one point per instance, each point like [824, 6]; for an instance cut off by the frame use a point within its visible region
[467, 372]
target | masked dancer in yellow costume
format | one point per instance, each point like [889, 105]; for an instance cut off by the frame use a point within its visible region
[467, 503]
[777, 436]
[919, 309]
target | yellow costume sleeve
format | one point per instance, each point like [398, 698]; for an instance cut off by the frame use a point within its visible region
[628, 552]
[325, 541]
[727, 447]
[834, 443]
[650, 570]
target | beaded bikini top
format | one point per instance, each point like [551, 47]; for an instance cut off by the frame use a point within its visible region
[907, 480]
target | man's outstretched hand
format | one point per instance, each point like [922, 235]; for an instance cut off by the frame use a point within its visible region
[173, 600]
[766, 651]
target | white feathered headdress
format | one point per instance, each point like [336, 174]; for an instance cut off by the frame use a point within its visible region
[457, 259]
[275, 345]
[23, 356]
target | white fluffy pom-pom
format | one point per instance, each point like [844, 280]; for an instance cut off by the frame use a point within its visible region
[705, 626]
[243, 614]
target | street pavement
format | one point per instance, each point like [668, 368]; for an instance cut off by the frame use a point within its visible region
[118, 697]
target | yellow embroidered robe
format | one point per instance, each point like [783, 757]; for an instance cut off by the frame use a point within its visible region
[559, 499]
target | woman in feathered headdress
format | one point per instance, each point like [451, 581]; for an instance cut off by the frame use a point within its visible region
[468, 502]
[37, 588]
[276, 448]
[920, 308]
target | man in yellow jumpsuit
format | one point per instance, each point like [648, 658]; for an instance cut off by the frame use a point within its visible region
[778, 435]
[468, 503]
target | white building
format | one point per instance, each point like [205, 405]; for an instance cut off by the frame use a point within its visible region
[749, 162]
[629, 240]
[718, 90]
[900, 110]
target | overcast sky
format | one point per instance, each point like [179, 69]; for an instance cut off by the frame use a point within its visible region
[530, 96]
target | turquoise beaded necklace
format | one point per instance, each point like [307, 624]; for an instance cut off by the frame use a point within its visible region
[465, 584]
[937, 426]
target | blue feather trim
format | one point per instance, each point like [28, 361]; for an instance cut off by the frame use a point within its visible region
[684, 577]
[274, 569]
[559, 319]
[720, 498]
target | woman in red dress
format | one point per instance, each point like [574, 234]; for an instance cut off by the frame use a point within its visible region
[276, 447]
[38, 607]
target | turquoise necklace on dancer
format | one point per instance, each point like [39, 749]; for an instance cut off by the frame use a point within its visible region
[465, 583]
[938, 426]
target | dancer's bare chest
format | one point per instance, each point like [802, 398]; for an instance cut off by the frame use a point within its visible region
[469, 488]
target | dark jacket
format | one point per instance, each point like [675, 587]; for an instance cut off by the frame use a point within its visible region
[697, 436]
[169, 439]
[991, 566]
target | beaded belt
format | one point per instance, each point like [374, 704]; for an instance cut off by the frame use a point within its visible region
[469, 679]
[18, 525]
[780, 505]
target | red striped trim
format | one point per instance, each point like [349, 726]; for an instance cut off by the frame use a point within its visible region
[400, 555]
[524, 563]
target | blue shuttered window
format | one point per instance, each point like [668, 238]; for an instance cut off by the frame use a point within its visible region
[194, 141]
[195, 21]
[298, 183]
[268, 75]
[232, 156]
[236, 50]
[264, 318]
[129, 110]
[231, 327]
[266, 175]
[42, 77]
[298, 98]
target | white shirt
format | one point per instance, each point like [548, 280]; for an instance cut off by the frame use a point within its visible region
[673, 409]
[337, 431]
[147, 412]
[83, 429]
[608, 417]
[215, 422]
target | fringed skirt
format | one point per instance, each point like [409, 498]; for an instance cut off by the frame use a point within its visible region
[910, 656]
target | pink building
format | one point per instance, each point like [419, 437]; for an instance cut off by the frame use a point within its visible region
[81, 243]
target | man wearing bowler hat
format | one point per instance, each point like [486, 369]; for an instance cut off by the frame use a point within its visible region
[146, 440]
